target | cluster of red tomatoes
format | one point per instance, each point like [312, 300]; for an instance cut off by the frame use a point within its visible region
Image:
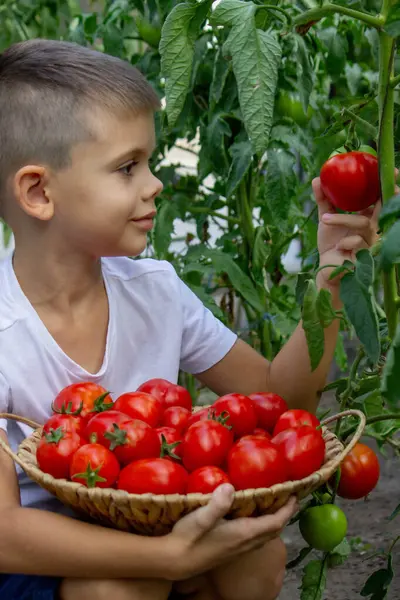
[150, 441]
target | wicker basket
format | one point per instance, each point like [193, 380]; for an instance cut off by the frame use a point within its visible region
[155, 515]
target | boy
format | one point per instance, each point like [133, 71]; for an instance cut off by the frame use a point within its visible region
[75, 186]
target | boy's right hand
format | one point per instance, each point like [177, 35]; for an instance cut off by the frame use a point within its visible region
[203, 539]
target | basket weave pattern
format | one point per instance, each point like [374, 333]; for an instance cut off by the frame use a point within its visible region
[148, 514]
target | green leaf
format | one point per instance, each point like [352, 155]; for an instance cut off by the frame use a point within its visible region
[391, 380]
[304, 552]
[314, 580]
[365, 268]
[340, 354]
[301, 286]
[337, 48]
[217, 131]
[340, 554]
[395, 513]
[360, 309]
[222, 68]
[164, 228]
[176, 47]
[280, 185]
[256, 56]
[113, 39]
[390, 249]
[312, 326]
[242, 156]
[390, 211]
[392, 25]
[261, 252]
[344, 268]
[305, 75]
[325, 310]
[208, 301]
[354, 76]
[378, 583]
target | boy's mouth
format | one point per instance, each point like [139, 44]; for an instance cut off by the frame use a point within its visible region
[146, 222]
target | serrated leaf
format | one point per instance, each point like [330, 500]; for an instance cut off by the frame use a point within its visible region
[301, 286]
[305, 75]
[312, 326]
[208, 301]
[280, 185]
[256, 56]
[391, 380]
[354, 75]
[113, 39]
[392, 25]
[314, 580]
[176, 48]
[222, 68]
[378, 583]
[304, 552]
[340, 554]
[325, 310]
[217, 131]
[365, 268]
[337, 48]
[360, 309]
[164, 228]
[340, 354]
[390, 210]
[242, 156]
[390, 249]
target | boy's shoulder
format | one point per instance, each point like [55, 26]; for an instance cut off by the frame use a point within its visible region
[10, 311]
[127, 269]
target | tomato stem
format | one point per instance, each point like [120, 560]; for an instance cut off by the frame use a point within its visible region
[344, 396]
[315, 14]
[371, 421]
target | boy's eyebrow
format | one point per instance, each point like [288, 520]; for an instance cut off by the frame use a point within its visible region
[134, 151]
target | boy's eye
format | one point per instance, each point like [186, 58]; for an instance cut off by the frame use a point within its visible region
[127, 169]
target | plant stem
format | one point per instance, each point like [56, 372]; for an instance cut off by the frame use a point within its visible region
[344, 396]
[213, 213]
[315, 14]
[371, 421]
[395, 81]
[386, 154]
[367, 127]
[278, 9]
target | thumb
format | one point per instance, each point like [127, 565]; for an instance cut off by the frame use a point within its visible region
[202, 520]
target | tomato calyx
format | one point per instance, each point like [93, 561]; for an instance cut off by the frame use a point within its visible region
[167, 450]
[117, 437]
[91, 476]
[100, 405]
[54, 436]
[222, 418]
[67, 410]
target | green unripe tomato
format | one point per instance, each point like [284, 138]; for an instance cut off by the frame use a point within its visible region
[148, 32]
[323, 527]
[288, 106]
[368, 149]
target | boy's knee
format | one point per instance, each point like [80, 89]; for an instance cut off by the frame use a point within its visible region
[104, 589]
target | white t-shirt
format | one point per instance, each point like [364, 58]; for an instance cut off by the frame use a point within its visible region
[157, 326]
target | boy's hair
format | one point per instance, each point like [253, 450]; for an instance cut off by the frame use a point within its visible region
[45, 87]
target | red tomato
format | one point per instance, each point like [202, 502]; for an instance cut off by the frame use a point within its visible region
[133, 440]
[360, 472]
[55, 451]
[350, 181]
[269, 407]
[242, 416]
[205, 480]
[94, 466]
[154, 476]
[203, 414]
[303, 448]
[206, 443]
[261, 433]
[176, 417]
[83, 399]
[256, 463]
[168, 393]
[295, 418]
[171, 445]
[67, 423]
[103, 423]
[142, 406]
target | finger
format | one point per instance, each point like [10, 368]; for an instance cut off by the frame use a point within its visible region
[324, 206]
[273, 524]
[358, 223]
[352, 243]
[200, 521]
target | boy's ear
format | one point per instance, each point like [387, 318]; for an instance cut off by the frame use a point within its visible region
[30, 192]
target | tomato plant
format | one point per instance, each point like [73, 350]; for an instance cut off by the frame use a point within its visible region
[359, 473]
[55, 451]
[171, 443]
[323, 527]
[153, 475]
[205, 480]
[206, 443]
[140, 405]
[94, 466]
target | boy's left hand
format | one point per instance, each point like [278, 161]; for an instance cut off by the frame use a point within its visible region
[341, 236]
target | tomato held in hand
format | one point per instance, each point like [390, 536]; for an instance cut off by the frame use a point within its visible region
[256, 463]
[154, 476]
[269, 407]
[83, 399]
[323, 527]
[103, 423]
[295, 418]
[55, 451]
[241, 412]
[176, 417]
[206, 443]
[171, 443]
[350, 181]
[170, 394]
[360, 472]
[68, 424]
[304, 450]
[205, 480]
[94, 466]
[133, 440]
[142, 406]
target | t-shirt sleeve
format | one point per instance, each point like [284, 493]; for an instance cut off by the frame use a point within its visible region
[4, 401]
[205, 339]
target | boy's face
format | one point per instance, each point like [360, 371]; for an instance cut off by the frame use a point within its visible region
[102, 199]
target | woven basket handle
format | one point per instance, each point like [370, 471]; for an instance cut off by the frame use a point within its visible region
[358, 432]
[5, 446]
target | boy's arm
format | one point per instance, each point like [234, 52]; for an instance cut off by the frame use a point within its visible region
[243, 370]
